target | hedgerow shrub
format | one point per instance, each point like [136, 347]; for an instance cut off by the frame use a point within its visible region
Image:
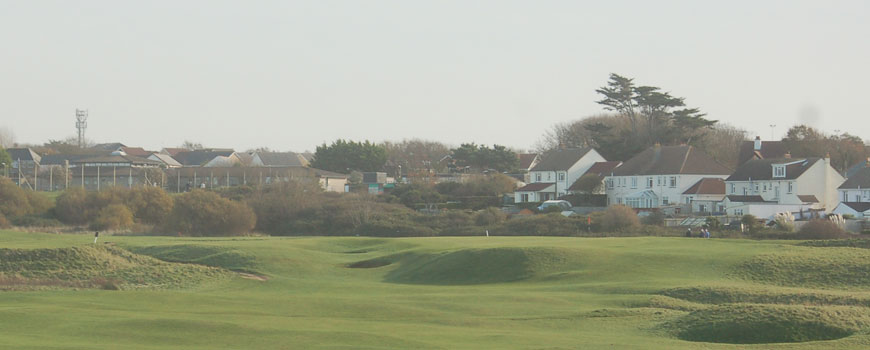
[149, 204]
[113, 217]
[202, 213]
[17, 202]
[619, 218]
[821, 229]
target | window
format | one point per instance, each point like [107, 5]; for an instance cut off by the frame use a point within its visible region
[756, 188]
[537, 177]
[609, 183]
[634, 182]
[733, 189]
[525, 197]
[779, 171]
[665, 200]
[649, 182]
[790, 187]
[561, 176]
[673, 181]
[549, 177]
[765, 187]
[738, 212]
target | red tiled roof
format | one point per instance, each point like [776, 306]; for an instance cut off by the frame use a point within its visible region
[707, 185]
[136, 151]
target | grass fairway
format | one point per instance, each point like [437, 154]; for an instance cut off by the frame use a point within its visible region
[458, 293]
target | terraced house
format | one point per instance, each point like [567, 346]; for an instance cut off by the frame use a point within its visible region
[659, 176]
[765, 187]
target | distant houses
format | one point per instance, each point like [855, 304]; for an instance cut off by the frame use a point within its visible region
[552, 176]
[660, 176]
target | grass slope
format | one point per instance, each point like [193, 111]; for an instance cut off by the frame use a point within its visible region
[95, 266]
[455, 293]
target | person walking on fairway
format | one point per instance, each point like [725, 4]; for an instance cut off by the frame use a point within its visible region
[96, 235]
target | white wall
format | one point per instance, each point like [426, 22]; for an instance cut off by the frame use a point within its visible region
[854, 195]
[820, 180]
[570, 176]
[622, 187]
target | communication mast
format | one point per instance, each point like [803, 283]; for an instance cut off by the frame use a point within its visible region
[81, 125]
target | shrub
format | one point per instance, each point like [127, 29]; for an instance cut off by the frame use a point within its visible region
[655, 218]
[821, 229]
[750, 223]
[542, 225]
[113, 217]
[3, 222]
[619, 218]
[149, 204]
[70, 206]
[489, 217]
[201, 213]
[16, 201]
[713, 223]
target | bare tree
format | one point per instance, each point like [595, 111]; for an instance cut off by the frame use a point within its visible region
[7, 137]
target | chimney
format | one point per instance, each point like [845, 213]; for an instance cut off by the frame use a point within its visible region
[758, 143]
[787, 155]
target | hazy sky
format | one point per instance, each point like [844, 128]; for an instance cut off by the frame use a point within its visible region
[291, 75]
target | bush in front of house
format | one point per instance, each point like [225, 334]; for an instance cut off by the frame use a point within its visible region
[619, 218]
[821, 229]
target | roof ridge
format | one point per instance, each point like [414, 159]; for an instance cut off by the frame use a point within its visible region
[685, 158]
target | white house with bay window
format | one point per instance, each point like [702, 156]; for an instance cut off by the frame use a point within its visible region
[658, 176]
[555, 173]
[765, 187]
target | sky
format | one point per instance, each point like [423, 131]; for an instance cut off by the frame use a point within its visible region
[292, 75]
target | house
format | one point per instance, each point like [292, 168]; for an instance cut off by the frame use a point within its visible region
[331, 181]
[173, 151]
[660, 175]
[108, 147]
[599, 169]
[854, 169]
[857, 209]
[167, 160]
[555, 173]
[857, 187]
[528, 161]
[278, 159]
[136, 151]
[765, 187]
[705, 196]
[758, 149]
[207, 158]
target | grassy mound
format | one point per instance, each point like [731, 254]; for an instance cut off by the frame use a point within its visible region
[95, 266]
[759, 295]
[852, 243]
[481, 266]
[829, 268]
[227, 258]
[759, 324]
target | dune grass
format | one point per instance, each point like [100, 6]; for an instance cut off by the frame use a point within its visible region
[452, 293]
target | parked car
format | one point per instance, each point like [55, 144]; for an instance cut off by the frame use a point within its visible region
[562, 204]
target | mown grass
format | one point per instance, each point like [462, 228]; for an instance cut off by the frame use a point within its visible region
[452, 293]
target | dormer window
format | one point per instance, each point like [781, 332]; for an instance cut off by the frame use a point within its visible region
[779, 171]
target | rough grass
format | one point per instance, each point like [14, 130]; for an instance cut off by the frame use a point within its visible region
[448, 293]
[810, 267]
[766, 295]
[216, 256]
[853, 243]
[483, 266]
[95, 266]
[760, 324]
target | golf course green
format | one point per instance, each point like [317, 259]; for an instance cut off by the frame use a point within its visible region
[62, 291]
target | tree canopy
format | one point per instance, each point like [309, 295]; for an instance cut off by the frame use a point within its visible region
[344, 156]
[481, 157]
